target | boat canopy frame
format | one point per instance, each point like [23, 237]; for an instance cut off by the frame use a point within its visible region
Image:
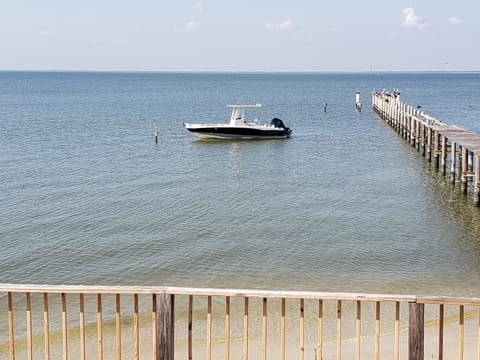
[238, 113]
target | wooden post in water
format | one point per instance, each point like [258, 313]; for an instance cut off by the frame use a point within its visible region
[453, 160]
[470, 161]
[435, 147]
[464, 169]
[423, 139]
[165, 326]
[429, 144]
[406, 131]
[477, 179]
[417, 133]
[413, 131]
[415, 331]
[444, 154]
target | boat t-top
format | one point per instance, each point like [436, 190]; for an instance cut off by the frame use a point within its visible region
[239, 128]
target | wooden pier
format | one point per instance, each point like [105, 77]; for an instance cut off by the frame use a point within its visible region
[439, 142]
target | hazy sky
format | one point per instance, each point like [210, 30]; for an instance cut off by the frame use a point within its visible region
[246, 35]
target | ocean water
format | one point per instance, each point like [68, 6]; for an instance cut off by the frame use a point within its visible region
[345, 204]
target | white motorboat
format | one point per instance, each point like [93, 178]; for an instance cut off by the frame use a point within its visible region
[239, 128]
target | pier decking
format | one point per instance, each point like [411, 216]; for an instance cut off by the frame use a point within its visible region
[435, 139]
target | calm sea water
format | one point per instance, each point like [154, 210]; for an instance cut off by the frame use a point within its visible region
[87, 197]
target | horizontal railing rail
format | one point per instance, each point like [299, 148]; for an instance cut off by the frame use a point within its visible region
[142, 322]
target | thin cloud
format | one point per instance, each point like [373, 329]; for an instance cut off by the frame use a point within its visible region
[199, 7]
[412, 20]
[285, 25]
[454, 20]
[190, 26]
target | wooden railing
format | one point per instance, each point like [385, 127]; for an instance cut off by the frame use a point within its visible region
[124, 322]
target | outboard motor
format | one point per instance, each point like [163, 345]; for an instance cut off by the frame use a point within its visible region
[279, 124]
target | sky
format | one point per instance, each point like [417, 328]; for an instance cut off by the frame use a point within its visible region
[247, 35]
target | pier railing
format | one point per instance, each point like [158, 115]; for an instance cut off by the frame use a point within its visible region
[439, 142]
[85, 322]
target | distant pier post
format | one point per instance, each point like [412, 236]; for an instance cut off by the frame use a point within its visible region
[358, 104]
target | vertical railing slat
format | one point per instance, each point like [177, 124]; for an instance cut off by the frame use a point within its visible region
[440, 332]
[339, 329]
[136, 329]
[320, 329]
[478, 338]
[154, 326]
[397, 330]
[264, 330]
[118, 327]
[358, 329]
[282, 330]
[227, 328]
[46, 327]
[29, 326]
[461, 332]
[209, 328]
[377, 330]
[99, 328]
[82, 326]
[302, 329]
[245, 329]
[64, 327]
[190, 327]
[11, 333]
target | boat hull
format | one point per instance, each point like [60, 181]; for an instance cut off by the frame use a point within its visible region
[243, 132]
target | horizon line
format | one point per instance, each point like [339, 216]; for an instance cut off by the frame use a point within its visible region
[238, 71]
